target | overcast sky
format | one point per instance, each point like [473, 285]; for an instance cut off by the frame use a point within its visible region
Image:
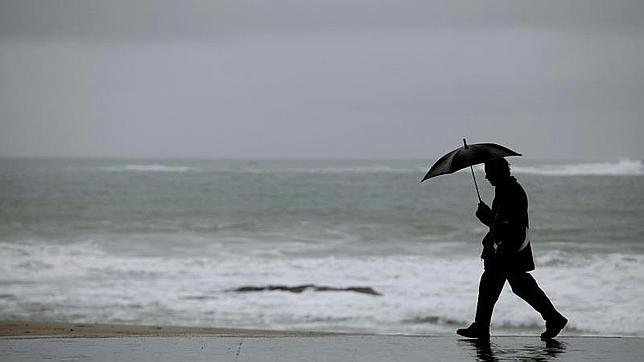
[320, 79]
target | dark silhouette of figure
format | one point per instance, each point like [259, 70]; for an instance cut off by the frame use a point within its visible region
[507, 255]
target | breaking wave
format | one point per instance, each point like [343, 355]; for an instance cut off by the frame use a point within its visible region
[600, 294]
[623, 167]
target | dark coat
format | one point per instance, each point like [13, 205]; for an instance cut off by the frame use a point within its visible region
[508, 222]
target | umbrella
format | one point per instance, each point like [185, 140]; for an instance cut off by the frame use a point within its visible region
[468, 155]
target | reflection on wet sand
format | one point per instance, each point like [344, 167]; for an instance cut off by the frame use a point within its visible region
[485, 351]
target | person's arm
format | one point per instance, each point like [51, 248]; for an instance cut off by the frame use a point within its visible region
[484, 214]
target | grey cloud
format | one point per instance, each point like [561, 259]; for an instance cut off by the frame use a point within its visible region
[361, 79]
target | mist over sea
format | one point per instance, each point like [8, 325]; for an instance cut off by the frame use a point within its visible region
[165, 241]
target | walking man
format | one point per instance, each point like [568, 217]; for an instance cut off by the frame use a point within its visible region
[507, 255]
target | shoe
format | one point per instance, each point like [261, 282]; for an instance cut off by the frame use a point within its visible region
[475, 330]
[553, 327]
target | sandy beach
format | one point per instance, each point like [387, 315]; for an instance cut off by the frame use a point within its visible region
[34, 329]
[38, 341]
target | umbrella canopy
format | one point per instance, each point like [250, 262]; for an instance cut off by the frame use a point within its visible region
[467, 156]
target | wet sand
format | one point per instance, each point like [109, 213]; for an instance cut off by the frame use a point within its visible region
[149, 343]
[30, 329]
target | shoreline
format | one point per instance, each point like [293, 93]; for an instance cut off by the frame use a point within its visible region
[57, 329]
[40, 329]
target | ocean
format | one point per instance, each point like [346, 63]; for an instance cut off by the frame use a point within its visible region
[168, 242]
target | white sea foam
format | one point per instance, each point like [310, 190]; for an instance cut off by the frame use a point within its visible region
[421, 294]
[149, 168]
[622, 167]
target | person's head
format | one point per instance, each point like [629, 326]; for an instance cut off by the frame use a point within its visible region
[497, 170]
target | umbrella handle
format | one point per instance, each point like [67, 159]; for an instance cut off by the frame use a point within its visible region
[475, 185]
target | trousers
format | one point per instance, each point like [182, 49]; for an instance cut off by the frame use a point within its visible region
[522, 284]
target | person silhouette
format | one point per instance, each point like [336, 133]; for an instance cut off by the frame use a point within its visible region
[507, 255]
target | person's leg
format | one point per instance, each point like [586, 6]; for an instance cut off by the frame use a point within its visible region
[490, 288]
[524, 285]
